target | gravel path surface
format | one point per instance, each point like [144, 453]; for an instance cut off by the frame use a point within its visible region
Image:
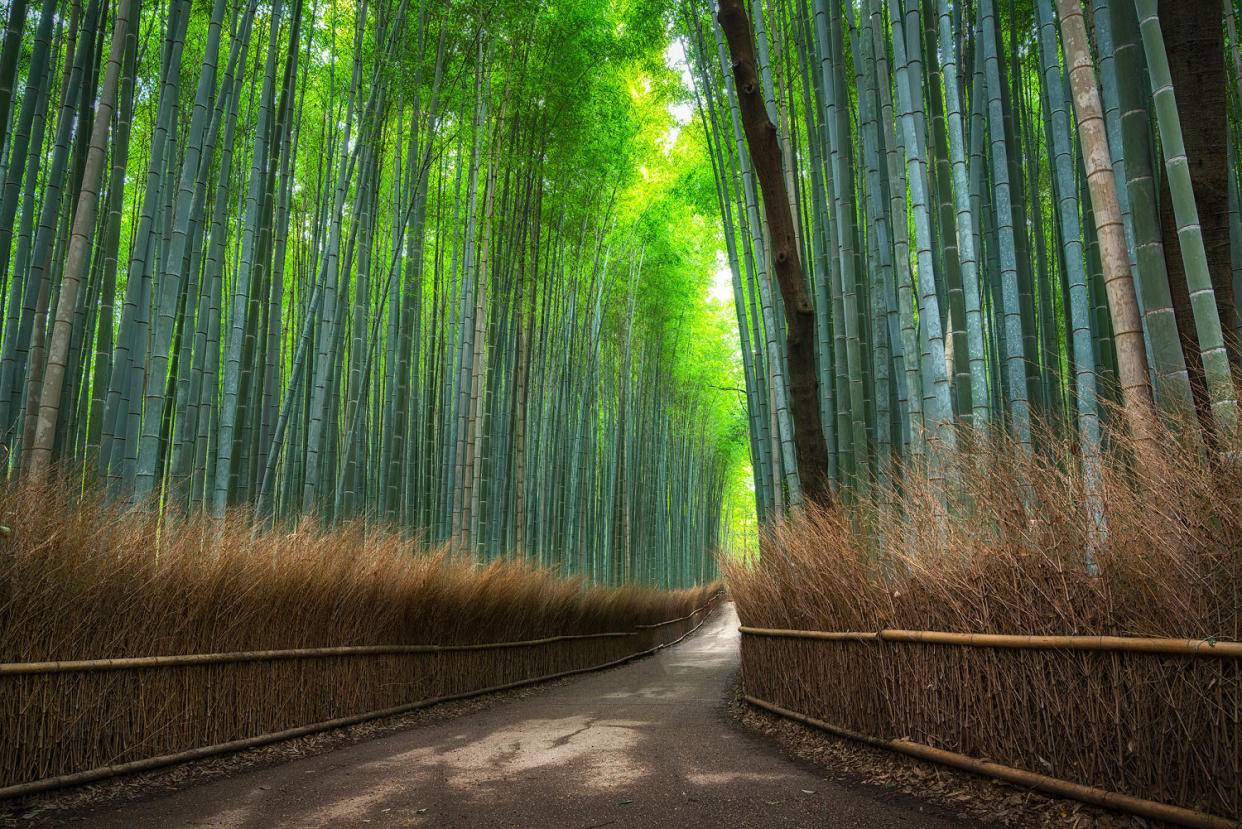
[647, 744]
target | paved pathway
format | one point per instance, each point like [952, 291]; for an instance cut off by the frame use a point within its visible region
[646, 744]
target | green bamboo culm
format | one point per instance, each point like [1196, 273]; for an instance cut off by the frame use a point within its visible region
[1220, 385]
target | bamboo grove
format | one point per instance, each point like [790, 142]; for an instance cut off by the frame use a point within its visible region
[996, 216]
[395, 259]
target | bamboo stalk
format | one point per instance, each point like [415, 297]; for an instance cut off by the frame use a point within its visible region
[1053, 785]
[1106, 207]
[1129, 644]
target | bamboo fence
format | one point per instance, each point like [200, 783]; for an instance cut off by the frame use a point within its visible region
[76, 721]
[1145, 725]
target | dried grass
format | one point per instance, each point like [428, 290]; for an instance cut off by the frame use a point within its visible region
[1002, 547]
[83, 579]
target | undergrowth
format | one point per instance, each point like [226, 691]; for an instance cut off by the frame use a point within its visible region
[1008, 540]
[86, 579]
[1005, 539]
[82, 578]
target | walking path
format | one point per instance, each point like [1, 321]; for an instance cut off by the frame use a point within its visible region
[646, 744]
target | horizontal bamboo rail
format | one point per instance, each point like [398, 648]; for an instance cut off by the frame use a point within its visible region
[825, 635]
[181, 660]
[150, 763]
[1053, 785]
[1132, 644]
[526, 643]
[131, 662]
[689, 615]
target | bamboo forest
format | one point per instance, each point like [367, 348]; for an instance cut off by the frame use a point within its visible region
[337, 328]
[367, 261]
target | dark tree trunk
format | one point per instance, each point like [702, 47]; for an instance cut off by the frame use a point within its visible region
[765, 152]
[1195, 42]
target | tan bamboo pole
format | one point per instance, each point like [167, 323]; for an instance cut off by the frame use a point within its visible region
[1053, 785]
[179, 660]
[1118, 282]
[1181, 647]
[1133, 644]
[77, 259]
[151, 763]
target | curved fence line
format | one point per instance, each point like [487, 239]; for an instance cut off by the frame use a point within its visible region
[152, 763]
[1131, 644]
[179, 660]
[689, 615]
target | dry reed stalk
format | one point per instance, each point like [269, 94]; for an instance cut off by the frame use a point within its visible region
[1012, 560]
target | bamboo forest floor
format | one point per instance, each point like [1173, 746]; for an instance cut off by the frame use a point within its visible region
[645, 744]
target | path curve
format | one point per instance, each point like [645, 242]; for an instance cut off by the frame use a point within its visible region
[646, 744]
